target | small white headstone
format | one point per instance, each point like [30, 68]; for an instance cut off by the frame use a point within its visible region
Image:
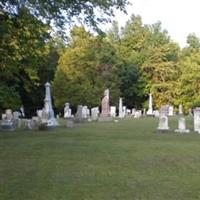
[113, 111]
[171, 111]
[156, 113]
[150, 108]
[67, 111]
[197, 119]
[133, 111]
[138, 114]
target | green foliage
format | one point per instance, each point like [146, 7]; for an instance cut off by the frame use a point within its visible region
[24, 54]
[9, 97]
[85, 69]
[61, 12]
[149, 63]
[188, 88]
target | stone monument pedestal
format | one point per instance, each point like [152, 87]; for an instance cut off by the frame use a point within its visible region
[8, 125]
[105, 119]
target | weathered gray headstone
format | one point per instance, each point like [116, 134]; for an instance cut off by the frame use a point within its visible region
[94, 113]
[182, 126]
[70, 122]
[80, 116]
[163, 119]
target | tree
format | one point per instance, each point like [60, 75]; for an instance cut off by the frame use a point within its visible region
[64, 11]
[188, 85]
[160, 65]
[86, 68]
[24, 53]
[131, 50]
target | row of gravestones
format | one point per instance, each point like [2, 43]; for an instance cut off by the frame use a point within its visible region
[46, 118]
[163, 121]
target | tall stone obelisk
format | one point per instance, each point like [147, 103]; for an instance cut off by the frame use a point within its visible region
[48, 117]
[150, 108]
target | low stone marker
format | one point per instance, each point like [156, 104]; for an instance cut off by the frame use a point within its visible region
[182, 126]
[163, 120]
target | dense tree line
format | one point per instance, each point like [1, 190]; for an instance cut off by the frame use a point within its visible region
[132, 61]
[29, 50]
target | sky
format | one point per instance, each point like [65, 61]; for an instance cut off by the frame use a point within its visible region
[178, 17]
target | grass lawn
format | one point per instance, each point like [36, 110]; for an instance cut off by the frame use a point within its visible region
[101, 161]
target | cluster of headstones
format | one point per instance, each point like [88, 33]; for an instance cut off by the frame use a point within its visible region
[108, 113]
[13, 120]
[163, 120]
[44, 120]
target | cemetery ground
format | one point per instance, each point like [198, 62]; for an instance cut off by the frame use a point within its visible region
[101, 161]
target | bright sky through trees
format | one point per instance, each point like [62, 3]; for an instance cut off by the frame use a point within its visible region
[179, 17]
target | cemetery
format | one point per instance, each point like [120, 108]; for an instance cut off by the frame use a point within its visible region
[94, 107]
[100, 153]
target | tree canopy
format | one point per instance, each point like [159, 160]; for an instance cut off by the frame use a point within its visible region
[60, 12]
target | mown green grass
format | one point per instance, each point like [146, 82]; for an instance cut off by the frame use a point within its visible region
[101, 161]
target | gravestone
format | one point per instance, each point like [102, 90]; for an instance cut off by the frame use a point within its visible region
[133, 111]
[180, 109]
[124, 111]
[70, 122]
[16, 115]
[8, 122]
[163, 119]
[156, 113]
[80, 115]
[67, 111]
[17, 120]
[85, 112]
[138, 114]
[197, 119]
[150, 108]
[94, 113]
[171, 111]
[105, 107]
[182, 126]
[47, 119]
[128, 112]
[121, 112]
[113, 111]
